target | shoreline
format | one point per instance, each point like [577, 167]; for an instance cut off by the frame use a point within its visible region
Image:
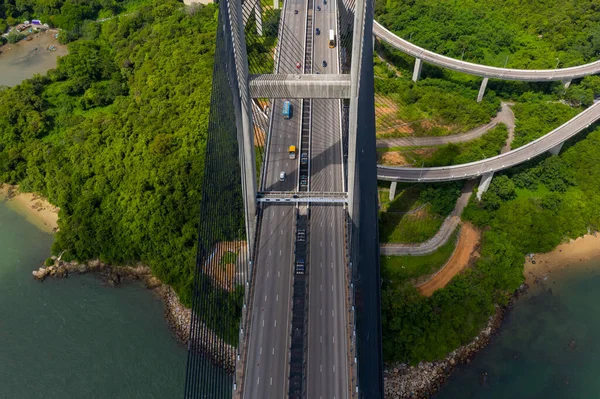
[36, 209]
[569, 254]
[177, 315]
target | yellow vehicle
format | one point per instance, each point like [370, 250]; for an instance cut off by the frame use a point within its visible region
[331, 39]
[292, 152]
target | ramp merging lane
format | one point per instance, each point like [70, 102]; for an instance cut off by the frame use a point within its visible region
[531, 75]
[503, 161]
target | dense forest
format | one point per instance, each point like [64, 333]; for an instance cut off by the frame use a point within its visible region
[115, 137]
[74, 17]
[531, 208]
[519, 34]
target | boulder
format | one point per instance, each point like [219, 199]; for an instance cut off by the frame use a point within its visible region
[40, 274]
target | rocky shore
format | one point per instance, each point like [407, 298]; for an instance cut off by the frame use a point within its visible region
[426, 378]
[178, 316]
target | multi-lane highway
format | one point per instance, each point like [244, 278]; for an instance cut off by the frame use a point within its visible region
[266, 368]
[326, 367]
[499, 162]
[531, 75]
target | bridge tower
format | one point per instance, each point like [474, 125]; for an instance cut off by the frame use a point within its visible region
[235, 192]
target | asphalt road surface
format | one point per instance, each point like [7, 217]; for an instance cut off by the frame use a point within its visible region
[499, 162]
[531, 75]
[266, 375]
[326, 369]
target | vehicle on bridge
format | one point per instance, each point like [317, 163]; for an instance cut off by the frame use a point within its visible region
[287, 109]
[324, 63]
[304, 158]
[331, 38]
[292, 152]
[282, 176]
[303, 180]
[318, 31]
[318, 8]
[300, 266]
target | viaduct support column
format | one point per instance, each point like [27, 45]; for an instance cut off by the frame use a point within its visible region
[482, 90]
[486, 179]
[556, 149]
[393, 190]
[417, 70]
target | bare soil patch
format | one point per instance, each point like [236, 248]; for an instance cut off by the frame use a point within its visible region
[464, 254]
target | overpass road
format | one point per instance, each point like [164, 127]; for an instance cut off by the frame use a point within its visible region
[499, 162]
[531, 75]
[326, 369]
[266, 368]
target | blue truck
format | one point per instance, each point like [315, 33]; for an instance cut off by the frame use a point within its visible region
[287, 109]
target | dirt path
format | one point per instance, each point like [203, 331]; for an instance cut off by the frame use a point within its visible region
[467, 242]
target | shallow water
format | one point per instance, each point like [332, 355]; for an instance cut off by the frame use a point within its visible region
[75, 337]
[547, 348]
[23, 60]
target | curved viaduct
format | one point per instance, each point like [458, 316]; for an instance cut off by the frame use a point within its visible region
[550, 142]
[531, 75]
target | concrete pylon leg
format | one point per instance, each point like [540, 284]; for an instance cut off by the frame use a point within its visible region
[482, 90]
[417, 70]
[258, 18]
[556, 149]
[567, 83]
[393, 190]
[486, 179]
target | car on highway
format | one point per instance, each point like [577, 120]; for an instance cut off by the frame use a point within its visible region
[300, 266]
[282, 176]
[298, 65]
[318, 8]
[303, 180]
[301, 235]
[324, 63]
[295, 11]
[318, 31]
[304, 158]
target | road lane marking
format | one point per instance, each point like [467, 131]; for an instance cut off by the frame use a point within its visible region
[334, 339]
[272, 377]
[278, 274]
[275, 323]
[281, 232]
[273, 351]
[277, 298]
[258, 381]
[321, 339]
[263, 322]
[321, 287]
[332, 265]
[331, 287]
[267, 274]
[260, 351]
[265, 298]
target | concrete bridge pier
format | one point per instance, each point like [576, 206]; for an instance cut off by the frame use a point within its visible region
[393, 190]
[556, 149]
[417, 71]
[257, 16]
[567, 83]
[486, 179]
[482, 90]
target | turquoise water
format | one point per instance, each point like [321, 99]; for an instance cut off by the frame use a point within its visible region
[75, 337]
[548, 346]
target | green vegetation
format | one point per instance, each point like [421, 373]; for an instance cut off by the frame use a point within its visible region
[432, 107]
[115, 137]
[400, 269]
[531, 209]
[531, 34]
[487, 146]
[416, 213]
[228, 258]
[74, 17]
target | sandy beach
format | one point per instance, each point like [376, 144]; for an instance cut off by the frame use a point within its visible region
[22, 60]
[570, 254]
[35, 208]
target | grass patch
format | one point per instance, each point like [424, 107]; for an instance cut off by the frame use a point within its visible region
[228, 258]
[402, 268]
[413, 227]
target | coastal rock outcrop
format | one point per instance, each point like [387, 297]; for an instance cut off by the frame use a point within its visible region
[426, 378]
[178, 316]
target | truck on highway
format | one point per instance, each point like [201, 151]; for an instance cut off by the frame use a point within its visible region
[292, 152]
[331, 38]
[287, 109]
